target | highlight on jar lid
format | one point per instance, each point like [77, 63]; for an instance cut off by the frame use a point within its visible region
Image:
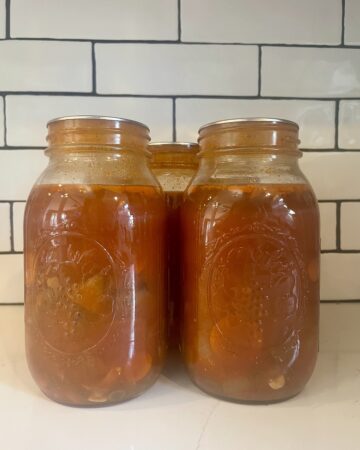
[102, 130]
[261, 133]
[174, 152]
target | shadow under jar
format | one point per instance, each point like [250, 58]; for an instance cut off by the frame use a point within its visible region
[251, 252]
[94, 265]
[174, 165]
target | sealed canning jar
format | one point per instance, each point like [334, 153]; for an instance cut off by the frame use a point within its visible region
[174, 165]
[251, 263]
[94, 264]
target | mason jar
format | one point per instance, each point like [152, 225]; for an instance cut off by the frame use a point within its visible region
[94, 264]
[174, 165]
[251, 251]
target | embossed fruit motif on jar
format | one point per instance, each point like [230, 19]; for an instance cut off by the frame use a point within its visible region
[94, 265]
[251, 263]
[174, 164]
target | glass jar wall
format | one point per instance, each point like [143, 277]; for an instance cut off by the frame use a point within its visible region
[174, 164]
[251, 263]
[94, 265]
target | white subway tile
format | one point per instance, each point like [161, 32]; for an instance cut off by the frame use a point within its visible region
[328, 225]
[11, 279]
[352, 22]
[27, 115]
[5, 227]
[272, 21]
[45, 66]
[2, 141]
[19, 169]
[84, 19]
[350, 226]
[349, 121]
[2, 18]
[339, 327]
[173, 69]
[316, 118]
[310, 72]
[18, 219]
[333, 175]
[340, 276]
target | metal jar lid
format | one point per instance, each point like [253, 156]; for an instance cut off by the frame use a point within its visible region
[266, 120]
[117, 120]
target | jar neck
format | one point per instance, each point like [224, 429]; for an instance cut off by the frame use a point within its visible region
[91, 150]
[249, 150]
[74, 154]
[174, 155]
[96, 135]
[76, 151]
[105, 167]
[239, 168]
[174, 161]
[251, 136]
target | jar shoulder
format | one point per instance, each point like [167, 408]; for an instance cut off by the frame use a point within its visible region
[98, 170]
[235, 203]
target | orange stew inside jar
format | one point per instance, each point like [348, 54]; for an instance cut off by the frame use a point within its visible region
[174, 164]
[251, 251]
[94, 264]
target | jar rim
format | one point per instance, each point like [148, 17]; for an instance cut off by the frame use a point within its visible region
[241, 120]
[180, 146]
[95, 117]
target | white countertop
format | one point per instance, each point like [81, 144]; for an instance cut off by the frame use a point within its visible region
[175, 415]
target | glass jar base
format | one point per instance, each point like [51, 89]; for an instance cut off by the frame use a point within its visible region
[98, 403]
[245, 401]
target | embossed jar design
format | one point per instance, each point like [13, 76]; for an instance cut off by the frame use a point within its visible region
[251, 251]
[174, 165]
[94, 265]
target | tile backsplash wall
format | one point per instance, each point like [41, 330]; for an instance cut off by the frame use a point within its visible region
[176, 64]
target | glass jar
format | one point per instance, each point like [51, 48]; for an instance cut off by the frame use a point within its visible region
[94, 265]
[251, 263]
[174, 164]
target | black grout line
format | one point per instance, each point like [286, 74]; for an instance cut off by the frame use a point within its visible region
[12, 252]
[177, 42]
[336, 136]
[338, 225]
[5, 125]
[93, 67]
[101, 41]
[343, 22]
[259, 69]
[342, 200]
[323, 252]
[21, 147]
[339, 251]
[180, 96]
[319, 201]
[12, 246]
[325, 302]
[339, 301]
[329, 150]
[179, 19]
[174, 120]
[12, 304]
[304, 150]
[7, 22]
[14, 201]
